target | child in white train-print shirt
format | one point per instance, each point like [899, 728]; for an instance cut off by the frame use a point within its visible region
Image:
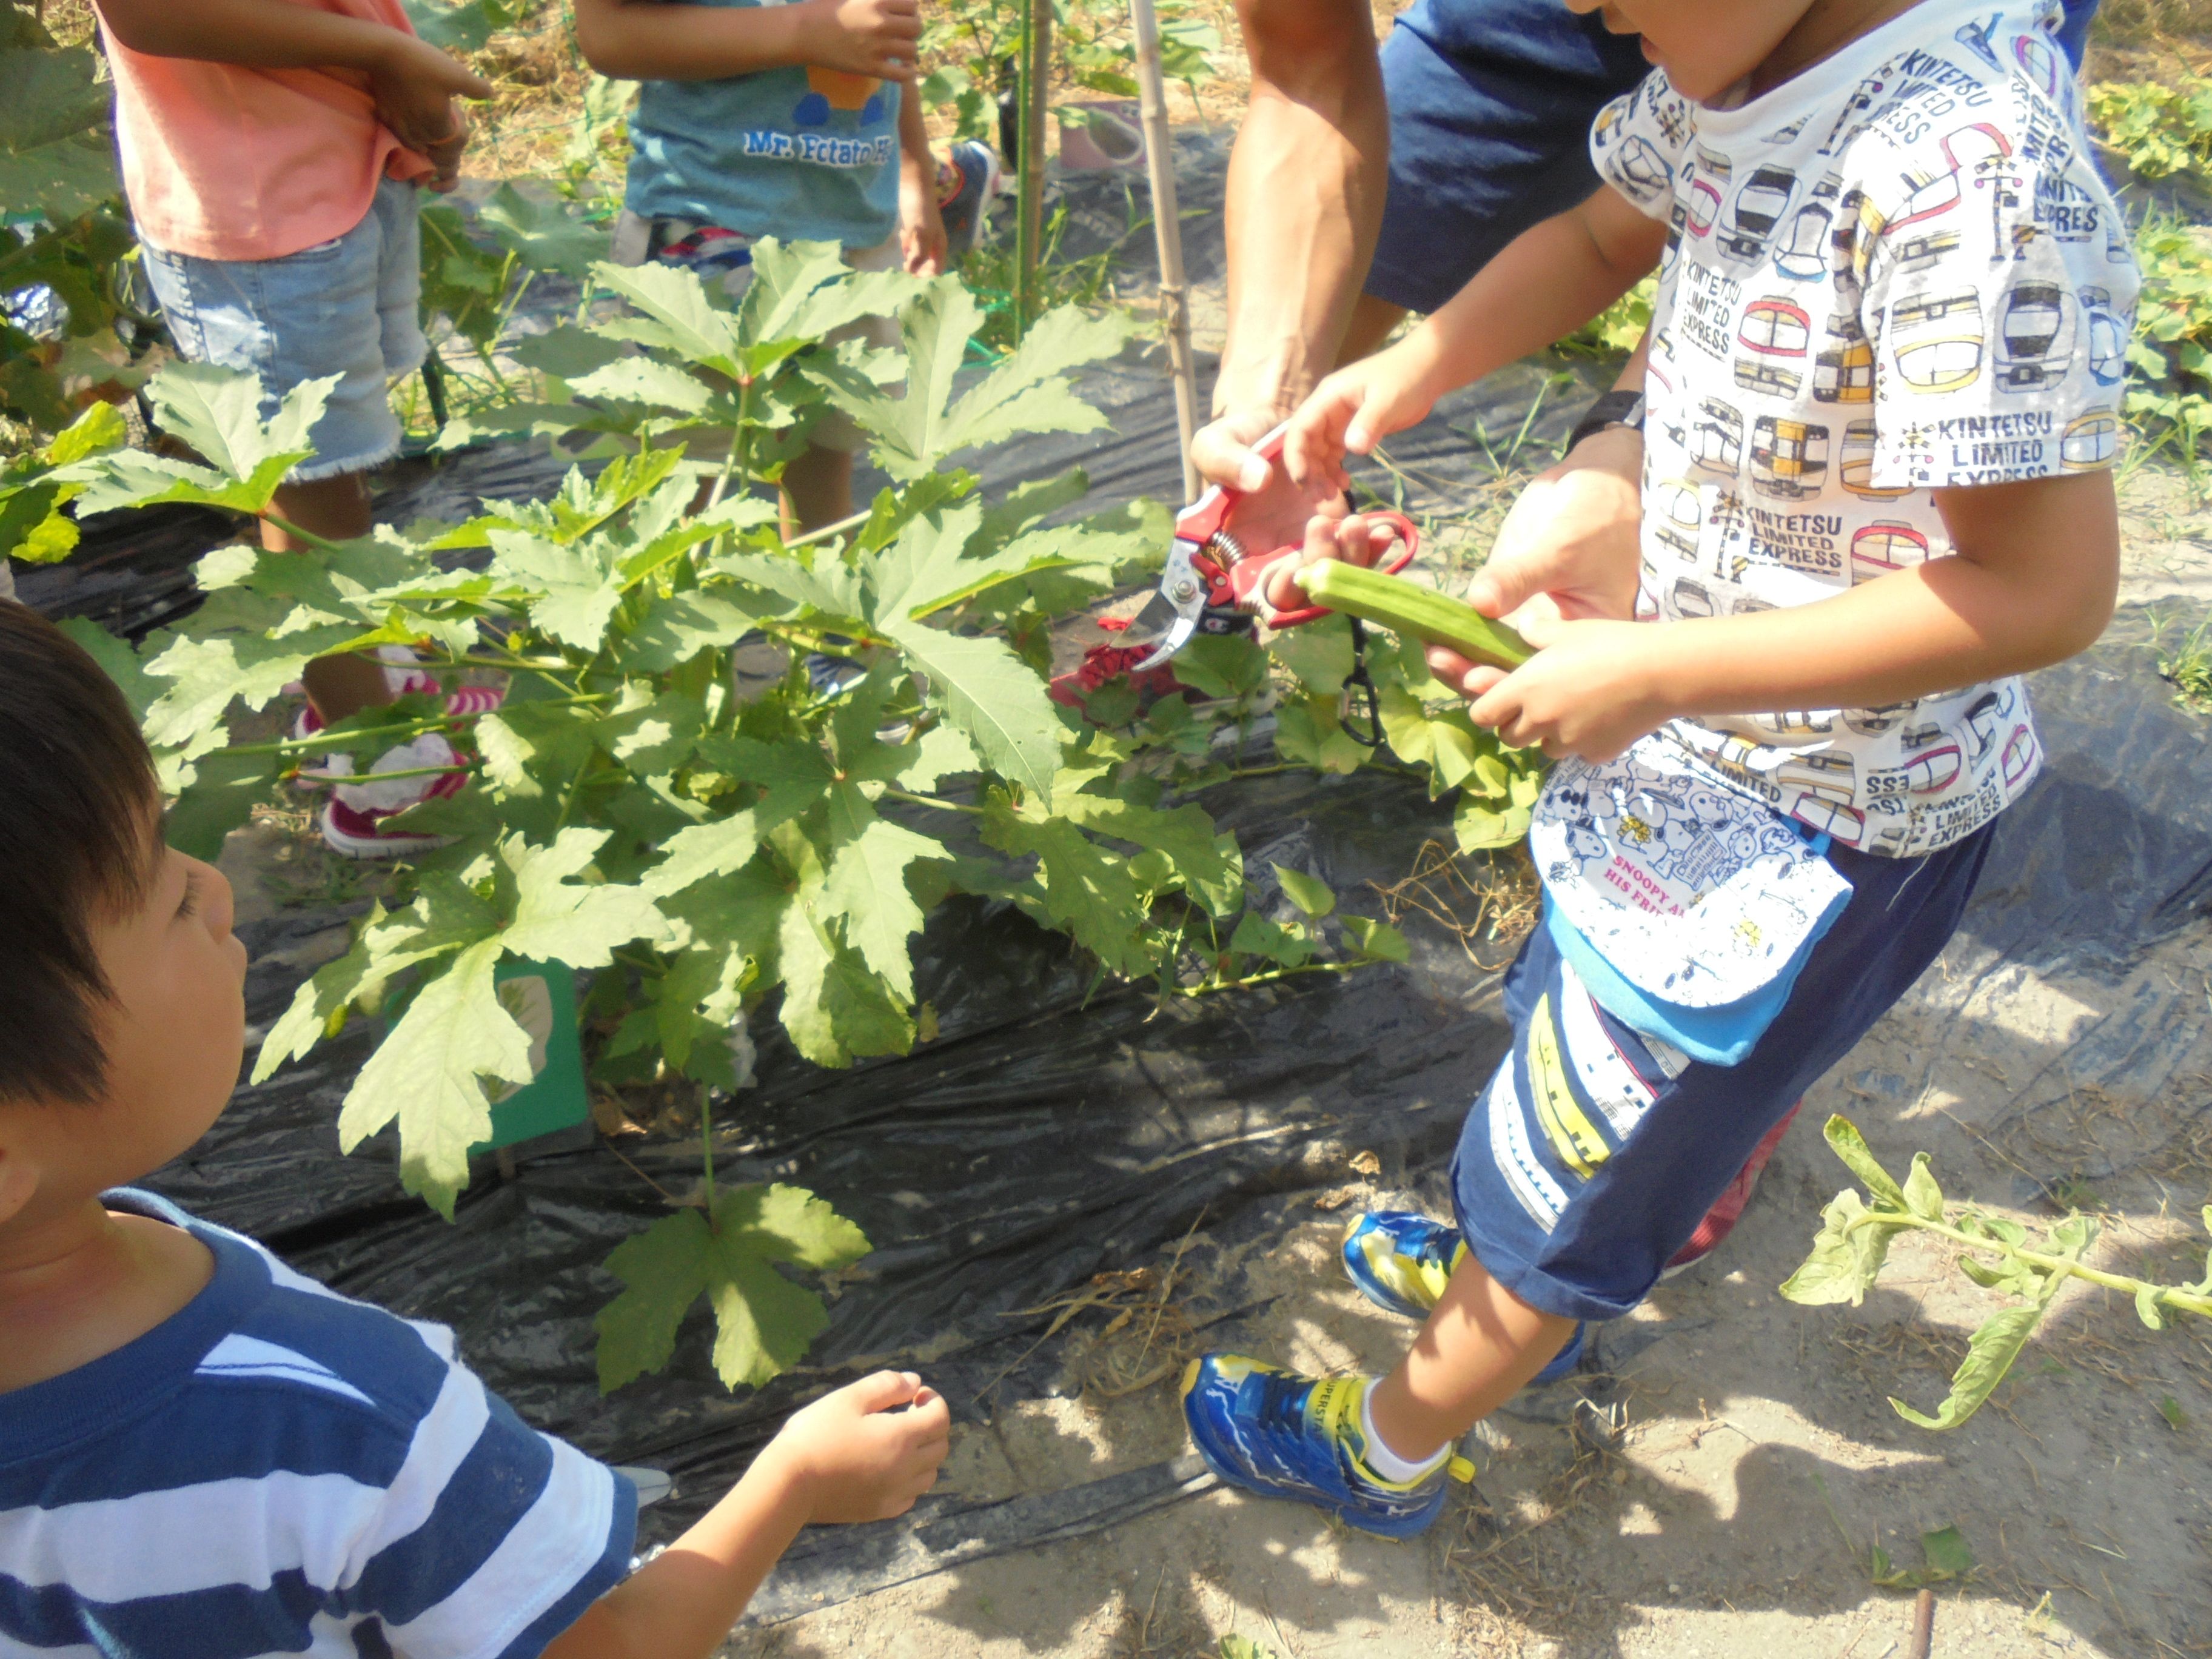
[1896, 274]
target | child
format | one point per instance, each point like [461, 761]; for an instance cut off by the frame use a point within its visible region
[271, 153]
[1885, 367]
[759, 118]
[202, 1452]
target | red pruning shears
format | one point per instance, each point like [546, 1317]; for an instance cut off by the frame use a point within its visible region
[1209, 565]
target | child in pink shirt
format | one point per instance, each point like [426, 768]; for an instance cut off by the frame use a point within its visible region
[272, 151]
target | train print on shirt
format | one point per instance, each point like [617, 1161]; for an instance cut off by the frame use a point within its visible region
[1898, 273]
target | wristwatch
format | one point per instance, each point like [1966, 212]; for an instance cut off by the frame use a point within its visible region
[1613, 409]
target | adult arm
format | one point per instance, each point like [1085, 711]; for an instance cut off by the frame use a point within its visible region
[1305, 188]
[650, 41]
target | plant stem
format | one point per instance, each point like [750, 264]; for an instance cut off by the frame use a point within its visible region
[829, 530]
[1206, 987]
[327, 740]
[2169, 1295]
[930, 800]
[321, 545]
[707, 1149]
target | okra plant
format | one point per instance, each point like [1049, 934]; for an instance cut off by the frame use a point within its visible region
[700, 849]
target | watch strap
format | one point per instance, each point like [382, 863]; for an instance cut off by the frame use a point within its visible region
[1612, 409]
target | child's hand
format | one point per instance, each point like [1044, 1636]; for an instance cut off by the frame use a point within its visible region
[856, 1456]
[864, 37]
[1357, 407]
[921, 223]
[445, 158]
[414, 86]
[1329, 535]
[1566, 551]
[1589, 691]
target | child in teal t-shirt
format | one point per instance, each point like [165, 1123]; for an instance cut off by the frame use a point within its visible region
[761, 118]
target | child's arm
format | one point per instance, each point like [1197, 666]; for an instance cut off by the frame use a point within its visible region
[851, 1456]
[1547, 282]
[922, 225]
[2032, 581]
[650, 41]
[413, 82]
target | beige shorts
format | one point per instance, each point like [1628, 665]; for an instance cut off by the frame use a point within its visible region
[637, 239]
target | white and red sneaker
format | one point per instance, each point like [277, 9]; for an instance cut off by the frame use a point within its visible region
[464, 703]
[354, 818]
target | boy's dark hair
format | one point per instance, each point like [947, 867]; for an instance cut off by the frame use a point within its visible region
[79, 814]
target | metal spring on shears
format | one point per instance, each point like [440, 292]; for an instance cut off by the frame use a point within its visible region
[1224, 549]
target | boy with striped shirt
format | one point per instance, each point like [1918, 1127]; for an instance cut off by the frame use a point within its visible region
[202, 1453]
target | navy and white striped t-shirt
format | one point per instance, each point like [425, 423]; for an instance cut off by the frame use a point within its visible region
[277, 1469]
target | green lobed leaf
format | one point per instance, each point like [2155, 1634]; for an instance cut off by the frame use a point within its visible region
[54, 153]
[428, 1075]
[1990, 1354]
[117, 660]
[1308, 731]
[1205, 858]
[445, 918]
[226, 786]
[836, 1007]
[1088, 891]
[867, 884]
[1257, 935]
[763, 1321]
[679, 315]
[559, 920]
[994, 698]
[542, 233]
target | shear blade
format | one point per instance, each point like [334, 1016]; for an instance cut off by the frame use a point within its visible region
[1178, 636]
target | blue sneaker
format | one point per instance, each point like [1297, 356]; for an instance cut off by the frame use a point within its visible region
[1281, 1435]
[966, 181]
[1402, 1262]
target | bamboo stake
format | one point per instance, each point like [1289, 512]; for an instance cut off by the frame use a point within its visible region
[1037, 68]
[1167, 230]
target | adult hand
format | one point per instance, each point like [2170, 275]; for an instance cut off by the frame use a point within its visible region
[856, 1455]
[1275, 511]
[414, 85]
[864, 37]
[1567, 551]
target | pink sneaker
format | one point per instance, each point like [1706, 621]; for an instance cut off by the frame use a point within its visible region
[1727, 1209]
[353, 820]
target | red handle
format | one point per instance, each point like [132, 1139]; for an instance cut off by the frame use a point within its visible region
[1239, 583]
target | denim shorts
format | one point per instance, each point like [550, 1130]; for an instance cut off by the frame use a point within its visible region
[1594, 1153]
[1491, 104]
[347, 307]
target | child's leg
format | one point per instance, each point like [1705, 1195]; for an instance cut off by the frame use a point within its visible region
[336, 509]
[818, 489]
[1586, 1164]
[1479, 1347]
